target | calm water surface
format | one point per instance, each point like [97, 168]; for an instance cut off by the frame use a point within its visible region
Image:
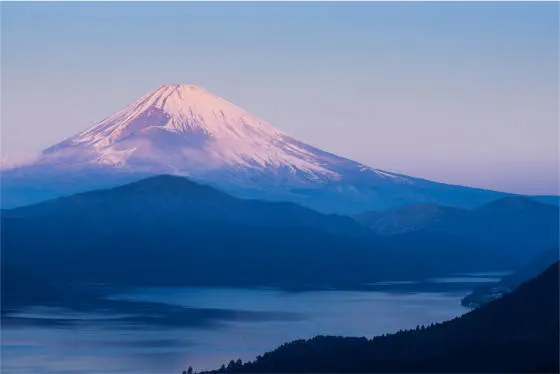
[165, 330]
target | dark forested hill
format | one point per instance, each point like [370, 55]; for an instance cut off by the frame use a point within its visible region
[515, 334]
[176, 200]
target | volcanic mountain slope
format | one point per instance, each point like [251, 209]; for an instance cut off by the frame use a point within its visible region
[186, 130]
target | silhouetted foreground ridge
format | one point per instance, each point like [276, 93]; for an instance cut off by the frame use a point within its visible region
[515, 334]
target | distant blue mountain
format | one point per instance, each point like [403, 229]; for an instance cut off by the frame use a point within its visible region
[520, 224]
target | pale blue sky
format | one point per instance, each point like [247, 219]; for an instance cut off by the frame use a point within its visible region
[464, 93]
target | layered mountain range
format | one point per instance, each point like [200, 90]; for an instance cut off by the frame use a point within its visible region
[186, 130]
[168, 230]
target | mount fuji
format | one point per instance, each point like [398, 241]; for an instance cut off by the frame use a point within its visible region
[185, 130]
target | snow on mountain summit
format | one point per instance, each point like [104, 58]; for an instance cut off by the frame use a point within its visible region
[184, 129]
[178, 108]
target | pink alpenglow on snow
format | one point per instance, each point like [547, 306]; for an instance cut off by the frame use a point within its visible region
[185, 129]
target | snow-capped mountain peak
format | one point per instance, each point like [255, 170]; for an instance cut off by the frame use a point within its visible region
[179, 108]
[185, 129]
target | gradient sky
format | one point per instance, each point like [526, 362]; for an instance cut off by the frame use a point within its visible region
[464, 93]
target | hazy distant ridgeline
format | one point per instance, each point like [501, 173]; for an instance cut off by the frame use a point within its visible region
[517, 223]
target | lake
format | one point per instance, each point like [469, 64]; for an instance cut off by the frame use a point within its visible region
[165, 330]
